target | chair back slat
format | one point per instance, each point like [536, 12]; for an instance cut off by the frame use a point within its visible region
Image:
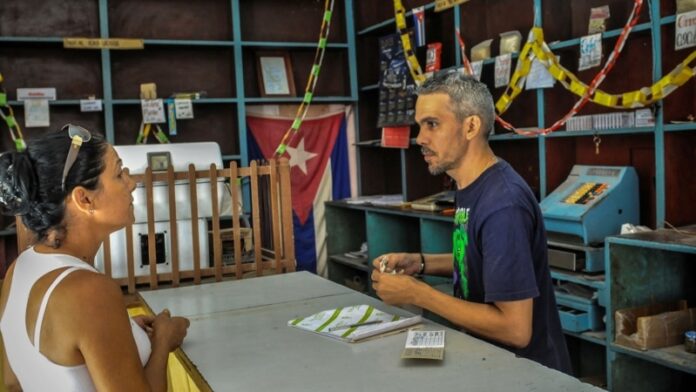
[173, 228]
[107, 257]
[193, 194]
[286, 203]
[151, 235]
[217, 242]
[130, 263]
[236, 237]
[275, 217]
[25, 238]
[256, 217]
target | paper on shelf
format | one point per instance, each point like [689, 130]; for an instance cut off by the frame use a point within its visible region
[377, 200]
[36, 113]
[323, 322]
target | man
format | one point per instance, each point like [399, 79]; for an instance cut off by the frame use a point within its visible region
[502, 284]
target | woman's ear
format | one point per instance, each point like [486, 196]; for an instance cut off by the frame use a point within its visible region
[83, 199]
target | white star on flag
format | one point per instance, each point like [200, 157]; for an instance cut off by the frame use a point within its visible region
[299, 156]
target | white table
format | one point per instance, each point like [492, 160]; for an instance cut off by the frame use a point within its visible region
[239, 341]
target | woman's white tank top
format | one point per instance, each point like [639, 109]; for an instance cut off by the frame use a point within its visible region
[34, 371]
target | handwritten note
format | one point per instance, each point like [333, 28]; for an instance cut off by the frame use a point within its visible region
[183, 109]
[590, 51]
[153, 111]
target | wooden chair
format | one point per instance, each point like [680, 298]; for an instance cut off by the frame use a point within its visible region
[277, 256]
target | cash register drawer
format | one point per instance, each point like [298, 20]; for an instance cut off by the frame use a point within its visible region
[574, 320]
[578, 314]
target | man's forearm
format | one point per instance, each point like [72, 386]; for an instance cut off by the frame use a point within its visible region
[486, 320]
[438, 264]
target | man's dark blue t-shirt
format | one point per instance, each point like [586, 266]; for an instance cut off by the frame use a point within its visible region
[500, 254]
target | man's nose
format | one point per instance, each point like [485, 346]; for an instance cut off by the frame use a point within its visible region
[420, 138]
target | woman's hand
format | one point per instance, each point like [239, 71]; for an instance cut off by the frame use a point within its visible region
[144, 322]
[169, 331]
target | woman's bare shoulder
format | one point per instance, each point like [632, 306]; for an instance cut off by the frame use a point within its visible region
[87, 290]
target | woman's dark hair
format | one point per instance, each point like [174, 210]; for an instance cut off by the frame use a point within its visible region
[30, 181]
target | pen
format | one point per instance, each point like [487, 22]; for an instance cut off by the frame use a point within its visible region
[354, 325]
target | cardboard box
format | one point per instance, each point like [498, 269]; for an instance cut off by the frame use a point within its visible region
[654, 326]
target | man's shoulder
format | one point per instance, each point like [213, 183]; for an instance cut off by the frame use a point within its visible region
[506, 189]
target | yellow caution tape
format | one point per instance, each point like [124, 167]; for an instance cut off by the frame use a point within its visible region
[413, 65]
[536, 47]
[645, 96]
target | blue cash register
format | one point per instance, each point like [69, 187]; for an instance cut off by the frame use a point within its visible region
[591, 204]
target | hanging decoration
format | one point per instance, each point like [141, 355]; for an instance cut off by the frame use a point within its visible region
[524, 66]
[311, 81]
[546, 57]
[7, 115]
[413, 65]
[536, 48]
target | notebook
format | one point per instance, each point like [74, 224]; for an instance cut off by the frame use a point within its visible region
[354, 323]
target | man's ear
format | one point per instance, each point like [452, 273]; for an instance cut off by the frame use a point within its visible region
[472, 127]
[83, 199]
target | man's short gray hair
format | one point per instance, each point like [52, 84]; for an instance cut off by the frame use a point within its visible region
[468, 96]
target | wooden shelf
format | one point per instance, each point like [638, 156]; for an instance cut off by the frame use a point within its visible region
[596, 337]
[577, 277]
[673, 357]
[8, 232]
[358, 264]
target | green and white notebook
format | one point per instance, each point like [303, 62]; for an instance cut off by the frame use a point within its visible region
[353, 323]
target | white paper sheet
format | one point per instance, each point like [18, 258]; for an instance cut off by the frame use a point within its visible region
[503, 64]
[36, 113]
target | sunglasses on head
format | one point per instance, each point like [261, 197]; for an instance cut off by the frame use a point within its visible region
[78, 135]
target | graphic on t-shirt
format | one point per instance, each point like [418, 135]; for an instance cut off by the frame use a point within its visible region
[460, 239]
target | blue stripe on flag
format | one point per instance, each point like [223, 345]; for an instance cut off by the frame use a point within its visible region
[340, 174]
[253, 147]
[305, 244]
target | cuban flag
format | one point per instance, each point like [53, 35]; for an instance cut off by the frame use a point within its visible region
[319, 171]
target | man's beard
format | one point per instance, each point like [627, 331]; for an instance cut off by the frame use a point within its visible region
[442, 167]
[433, 168]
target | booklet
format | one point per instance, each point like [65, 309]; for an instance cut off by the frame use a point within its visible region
[354, 323]
[424, 345]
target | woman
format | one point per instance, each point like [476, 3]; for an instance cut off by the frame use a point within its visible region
[64, 325]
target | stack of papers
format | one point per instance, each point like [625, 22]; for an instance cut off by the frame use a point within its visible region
[377, 200]
[354, 323]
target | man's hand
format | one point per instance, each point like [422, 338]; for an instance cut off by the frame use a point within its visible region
[394, 289]
[409, 263]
